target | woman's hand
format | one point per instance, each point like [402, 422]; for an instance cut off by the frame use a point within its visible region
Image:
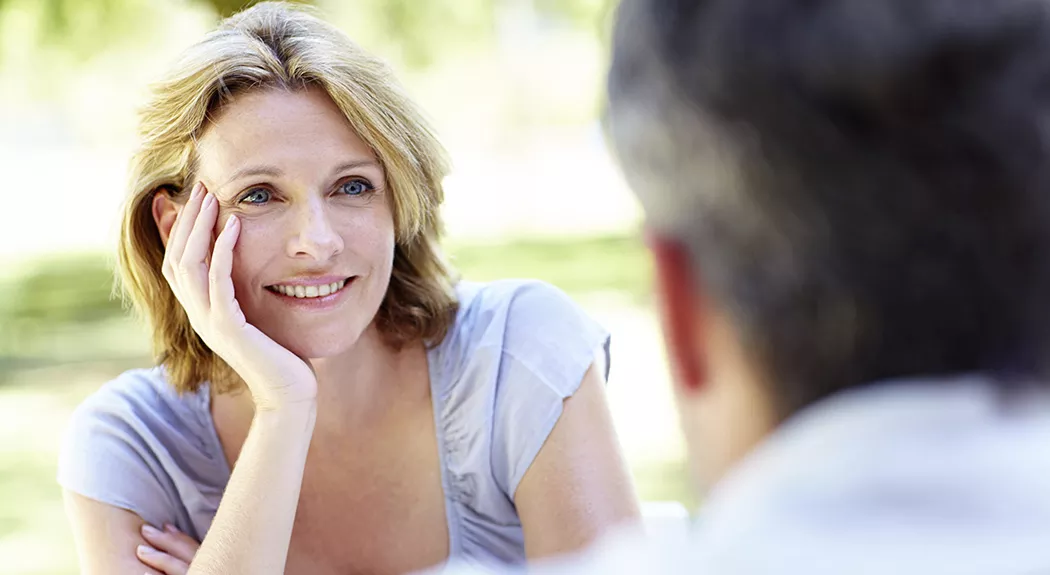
[253, 525]
[275, 376]
[169, 551]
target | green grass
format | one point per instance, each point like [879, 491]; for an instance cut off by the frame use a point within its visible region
[602, 264]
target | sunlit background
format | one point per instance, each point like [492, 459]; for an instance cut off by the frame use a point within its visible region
[514, 88]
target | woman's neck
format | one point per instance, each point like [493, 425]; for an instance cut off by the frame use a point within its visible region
[356, 388]
[369, 380]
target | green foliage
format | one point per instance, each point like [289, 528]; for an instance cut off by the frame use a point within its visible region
[80, 29]
[578, 266]
[62, 290]
[423, 31]
[226, 8]
[47, 307]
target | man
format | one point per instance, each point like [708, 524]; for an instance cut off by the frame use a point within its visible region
[848, 206]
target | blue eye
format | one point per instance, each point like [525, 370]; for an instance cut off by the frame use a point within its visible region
[256, 196]
[355, 187]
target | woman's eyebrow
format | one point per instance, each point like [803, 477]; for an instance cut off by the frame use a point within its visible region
[254, 171]
[275, 172]
[356, 164]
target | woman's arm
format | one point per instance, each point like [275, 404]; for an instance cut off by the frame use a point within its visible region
[250, 531]
[253, 525]
[578, 486]
[106, 537]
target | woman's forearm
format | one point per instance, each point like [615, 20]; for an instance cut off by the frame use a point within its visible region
[253, 525]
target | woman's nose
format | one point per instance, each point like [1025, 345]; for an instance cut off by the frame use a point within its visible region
[314, 237]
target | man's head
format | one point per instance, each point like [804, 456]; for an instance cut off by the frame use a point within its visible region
[838, 193]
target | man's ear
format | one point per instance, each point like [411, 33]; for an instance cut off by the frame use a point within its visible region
[165, 210]
[680, 305]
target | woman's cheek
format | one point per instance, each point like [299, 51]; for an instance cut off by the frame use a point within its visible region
[250, 253]
[257, 234]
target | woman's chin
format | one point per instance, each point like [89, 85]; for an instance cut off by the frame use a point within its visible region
[316, 339]
[317, 347]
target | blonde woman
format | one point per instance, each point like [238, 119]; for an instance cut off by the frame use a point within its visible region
[328, 398]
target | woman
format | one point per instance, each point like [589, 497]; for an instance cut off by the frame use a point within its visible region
[328, 399]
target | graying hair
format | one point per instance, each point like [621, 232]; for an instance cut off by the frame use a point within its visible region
[861, 185]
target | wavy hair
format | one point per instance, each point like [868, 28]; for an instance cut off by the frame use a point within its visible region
[279, 46]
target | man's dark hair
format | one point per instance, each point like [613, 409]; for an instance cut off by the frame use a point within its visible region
[863, 185]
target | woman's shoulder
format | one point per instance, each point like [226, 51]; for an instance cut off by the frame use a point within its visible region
[516, 315]
[510, 328]
[143, 398]
[140, 411]
[139, 445]
[135, 443]
[518, 349]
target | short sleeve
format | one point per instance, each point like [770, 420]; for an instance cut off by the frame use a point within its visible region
[109, 454]
[549, 344]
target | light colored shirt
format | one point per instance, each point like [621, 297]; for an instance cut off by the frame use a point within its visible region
[907, 477]
[517, 349]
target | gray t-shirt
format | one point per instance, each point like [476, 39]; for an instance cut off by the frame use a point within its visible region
[498, 380]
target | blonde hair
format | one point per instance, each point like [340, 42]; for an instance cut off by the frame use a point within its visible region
[276, 46]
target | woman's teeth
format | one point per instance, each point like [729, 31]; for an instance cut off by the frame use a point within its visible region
[300, 291]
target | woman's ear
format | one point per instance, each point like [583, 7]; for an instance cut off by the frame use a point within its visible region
[680, 308]
[165, 210]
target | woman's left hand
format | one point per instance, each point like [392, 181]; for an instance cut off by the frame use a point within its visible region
[169, 551]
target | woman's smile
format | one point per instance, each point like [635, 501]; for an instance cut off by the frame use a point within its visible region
[315, 294]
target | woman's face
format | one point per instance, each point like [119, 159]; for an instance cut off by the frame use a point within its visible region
[316, 247]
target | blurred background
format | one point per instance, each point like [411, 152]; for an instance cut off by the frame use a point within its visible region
[513, 86]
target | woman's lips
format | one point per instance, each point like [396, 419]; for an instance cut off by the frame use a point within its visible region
[315, 296]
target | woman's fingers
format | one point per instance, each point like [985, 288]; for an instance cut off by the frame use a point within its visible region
[183, 224]
[185, 259]
[161, 561]
[169, 551]
[220, 274]
[198, 243]
[171, 541]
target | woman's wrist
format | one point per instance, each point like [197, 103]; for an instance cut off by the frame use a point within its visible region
[287, 399]
[253, 525]
[287, 420]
